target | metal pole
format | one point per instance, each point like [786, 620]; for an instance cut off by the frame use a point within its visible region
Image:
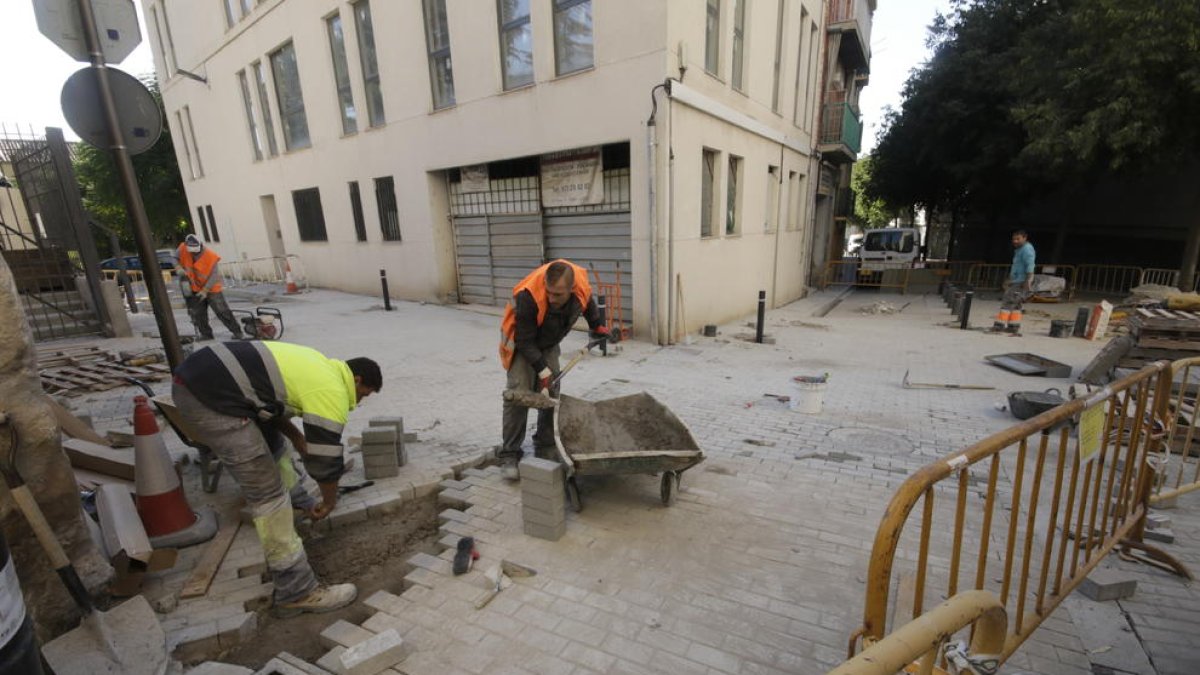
[762, 310]
[387, 299]
[133, 197]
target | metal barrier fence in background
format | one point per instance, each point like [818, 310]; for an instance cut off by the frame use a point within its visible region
[991, 277]
[1179, 464]
[954, 271]
[267, 270]
[1159, 277]
[1088, 457]
[1105, 279]
[877, 275]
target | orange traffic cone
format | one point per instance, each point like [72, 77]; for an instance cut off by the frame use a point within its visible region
[292, 288]
[161, 504]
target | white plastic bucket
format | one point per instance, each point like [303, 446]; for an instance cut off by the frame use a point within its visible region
[810, 395]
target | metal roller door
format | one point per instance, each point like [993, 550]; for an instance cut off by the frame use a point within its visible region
[494, 253]
[474, 255]
[599, 241]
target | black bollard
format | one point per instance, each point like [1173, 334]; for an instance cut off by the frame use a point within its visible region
[964, 315]
[387, 300]
[762, 311]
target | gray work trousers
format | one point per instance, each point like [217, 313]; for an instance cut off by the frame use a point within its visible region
[522, 377]
[243, 450]
[198, 312]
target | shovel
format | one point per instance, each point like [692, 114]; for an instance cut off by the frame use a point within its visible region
[126, 639]
[536, 399]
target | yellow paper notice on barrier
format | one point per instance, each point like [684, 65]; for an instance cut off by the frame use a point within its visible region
[1091, 432]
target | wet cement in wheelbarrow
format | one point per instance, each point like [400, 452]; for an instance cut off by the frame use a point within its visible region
[624, 424]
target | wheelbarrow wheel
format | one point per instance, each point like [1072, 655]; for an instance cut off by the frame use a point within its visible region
[670, 487]
[573, 495]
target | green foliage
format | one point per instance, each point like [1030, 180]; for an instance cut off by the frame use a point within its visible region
[158, 177]
[869, 213]
[1023, 96]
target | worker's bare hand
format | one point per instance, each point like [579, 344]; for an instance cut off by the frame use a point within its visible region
[320, 511]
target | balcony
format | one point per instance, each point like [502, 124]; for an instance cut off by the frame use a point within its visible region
[852, 18]
[841, 132]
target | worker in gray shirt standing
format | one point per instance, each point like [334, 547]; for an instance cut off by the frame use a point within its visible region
[1019, 285]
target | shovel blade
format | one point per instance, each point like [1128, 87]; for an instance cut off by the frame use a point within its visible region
[126, 639]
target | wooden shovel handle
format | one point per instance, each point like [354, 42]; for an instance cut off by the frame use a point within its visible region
[54, 550]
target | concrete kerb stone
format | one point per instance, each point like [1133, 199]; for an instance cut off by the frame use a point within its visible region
[344, 634]
[1105, 584]
[540, 470]
[396, 423]
[374, 654]
[541, 503]
[544, 490]
[546, 518]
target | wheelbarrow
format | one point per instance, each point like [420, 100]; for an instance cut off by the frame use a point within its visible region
[627, 435]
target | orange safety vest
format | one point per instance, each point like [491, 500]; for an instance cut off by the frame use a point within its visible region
[535, 283]
[198, 270]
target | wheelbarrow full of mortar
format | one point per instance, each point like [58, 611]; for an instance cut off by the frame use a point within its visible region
[627, 435]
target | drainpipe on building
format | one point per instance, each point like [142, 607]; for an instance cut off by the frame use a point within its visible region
[778, 226]
[652, 178]
[670, 239]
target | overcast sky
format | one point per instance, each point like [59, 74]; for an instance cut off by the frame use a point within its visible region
[32, 69]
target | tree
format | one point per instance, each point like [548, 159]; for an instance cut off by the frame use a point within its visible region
[869, 212]
[157, 172]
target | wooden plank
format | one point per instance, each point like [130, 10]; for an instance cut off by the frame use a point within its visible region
[1165, 343]
[75, 427]
[90, 480]
[99, 458]
[202, 575]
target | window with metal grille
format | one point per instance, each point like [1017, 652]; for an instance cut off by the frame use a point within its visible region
[341, 74]
[708, 192]
[712, 37]
[290, 98]
[437, 44]
[572, 36]
[360, 223]
[516, 43]
[310, 218]
[389, 215]
[203, 223]
[739, 44]
[212, 224]
[370, 64]
[733, 196]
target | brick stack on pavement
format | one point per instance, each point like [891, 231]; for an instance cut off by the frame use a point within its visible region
[543, 503]
[379, 453]
[396, 423]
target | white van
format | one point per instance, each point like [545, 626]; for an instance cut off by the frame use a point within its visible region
[889, 248]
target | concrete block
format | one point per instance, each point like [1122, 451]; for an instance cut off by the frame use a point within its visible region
[1107, 584]
[1156, 520]
[1163, 534]
[549, 519]
[368, 657]
[544, 532]
[383, 450]
[453, 514]
[382, 505]
[288, 664]
[540, 470]
[541, 503]
[332, 659]
[547, 490]
[396, 423]
[194, 642]
[378, 436]
[423, 489]
[386, 459]
[234, 630]
[454, 484]
[454, 499]
[343, 633]
[217, 668]
[375, 472]
[255, 570]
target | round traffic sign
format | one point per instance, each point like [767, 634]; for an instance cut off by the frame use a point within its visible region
[137, 111]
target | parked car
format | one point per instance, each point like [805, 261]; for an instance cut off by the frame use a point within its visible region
[166, 261]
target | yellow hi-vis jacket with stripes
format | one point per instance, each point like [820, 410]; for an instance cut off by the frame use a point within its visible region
[269, 380]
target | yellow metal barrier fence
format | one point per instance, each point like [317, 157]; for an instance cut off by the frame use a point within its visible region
[1179, 463]
[1116, 279]
[872, 275]
[1090, 455]
[954, 271]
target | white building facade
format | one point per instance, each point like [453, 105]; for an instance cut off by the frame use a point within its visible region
[667, 144]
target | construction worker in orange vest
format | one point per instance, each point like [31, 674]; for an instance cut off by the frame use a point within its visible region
[200, 281]
[544, 307]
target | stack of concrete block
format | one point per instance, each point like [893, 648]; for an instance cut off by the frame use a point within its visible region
[543, 503]
[379, 453]
[396, 423]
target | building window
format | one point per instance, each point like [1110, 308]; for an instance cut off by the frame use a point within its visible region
[248, 106]
[166, 48]
[516, 43]
[356, 209]
[341, 74]
[572, 36]
[794, 197]
[370, 64]
[778, 57]
[310, 218]
[212, 224]
[264, 104]
[191, 131]
[803, 86]
[187, 147]
[733, 196]
[437, 44]
[203, 223]
[772, 206]
[236, 10]
[712, 37]
[389, 215]
[739, 44]
[708, 193]
[290, 98]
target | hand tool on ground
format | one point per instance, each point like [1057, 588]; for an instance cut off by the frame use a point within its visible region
[932, 385]
[343, 489]
[125, 639]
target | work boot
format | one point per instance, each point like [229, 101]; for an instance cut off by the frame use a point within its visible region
[1014, 329]
[997, 327]
[509, 470]
[322, 599]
